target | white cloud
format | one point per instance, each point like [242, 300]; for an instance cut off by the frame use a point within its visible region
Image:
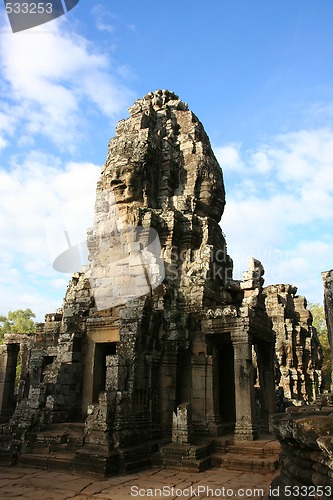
[229, 157]
[103, 18]
[28, 195]
[3, 143]
[52, 82]
[261, 162]
[280, 208]
[53, 75]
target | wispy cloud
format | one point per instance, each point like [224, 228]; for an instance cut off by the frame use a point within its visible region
[104, 18]
[229, 157]
[29, 193]
[50, 78]
[52, 83]
[275, 195]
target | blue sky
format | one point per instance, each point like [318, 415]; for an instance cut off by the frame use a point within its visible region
[259, 75]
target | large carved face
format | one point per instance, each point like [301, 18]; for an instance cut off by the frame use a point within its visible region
[210, 196]
[127, 183]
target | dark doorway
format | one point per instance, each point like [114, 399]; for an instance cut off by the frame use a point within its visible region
[99, 379]
[227, 386]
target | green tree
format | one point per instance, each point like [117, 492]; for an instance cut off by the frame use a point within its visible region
[319, 322]
[19, 321]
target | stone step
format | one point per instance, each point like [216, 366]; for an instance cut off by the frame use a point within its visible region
[194, 451]
[260, 455]
[187, 457]
[96, 461]
[185, 464]
[55, 438]
[257, 450]
[8, 450]
[135, 465]
[262, 446]
[52, 461]
[61, 461]
[8, 457]
[96, 465]
[66, 447]
[136, 457]
[243, 462]
[67, 426]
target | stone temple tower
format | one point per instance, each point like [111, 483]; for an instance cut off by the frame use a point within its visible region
[161, 174]
[156, 322]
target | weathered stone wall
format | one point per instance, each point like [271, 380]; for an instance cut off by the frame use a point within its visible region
[306, 436]
[306, 453]
[298, 352]
[53, 386]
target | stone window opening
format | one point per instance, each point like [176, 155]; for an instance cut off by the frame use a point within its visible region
[102, 351]
[8, 367]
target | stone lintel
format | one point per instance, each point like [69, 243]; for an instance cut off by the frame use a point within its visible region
[104, 335]
[103, 330]
[16, 338]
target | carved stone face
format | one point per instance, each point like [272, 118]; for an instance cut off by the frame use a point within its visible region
[210, 197]
[127, 183]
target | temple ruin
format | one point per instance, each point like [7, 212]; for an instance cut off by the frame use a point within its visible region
[156, 347]
[305, 435]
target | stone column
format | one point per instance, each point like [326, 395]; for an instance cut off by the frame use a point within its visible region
[167, 396]
[213, 418]
[327, 277]
[245, 428]
[87, 392]
[182, 424]
[8, 362]
[198, 399]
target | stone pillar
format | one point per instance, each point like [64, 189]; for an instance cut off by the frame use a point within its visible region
[199, 392]
[87, 392]
[167, 394]
[213, 418]
[245, 428]
[182, 424]
[327, 277]
[8, 362]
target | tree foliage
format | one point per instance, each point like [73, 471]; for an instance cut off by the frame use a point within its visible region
[19, 321]
[319, 322]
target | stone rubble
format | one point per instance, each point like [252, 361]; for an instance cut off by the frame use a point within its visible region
[306, 436]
